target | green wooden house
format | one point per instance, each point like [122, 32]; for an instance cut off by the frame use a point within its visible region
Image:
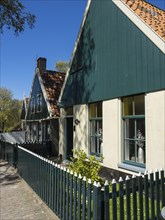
[42, 114]
[113, 98]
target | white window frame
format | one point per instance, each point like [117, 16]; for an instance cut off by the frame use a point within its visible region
[98, 136]
[138, 140]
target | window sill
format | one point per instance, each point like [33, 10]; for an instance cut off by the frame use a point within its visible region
[131, 168]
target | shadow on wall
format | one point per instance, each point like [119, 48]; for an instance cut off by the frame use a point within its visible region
[80, 86]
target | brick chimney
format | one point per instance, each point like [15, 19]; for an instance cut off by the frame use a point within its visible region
[41, 64]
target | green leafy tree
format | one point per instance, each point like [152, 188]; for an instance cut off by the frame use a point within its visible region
[9, 110]
[62, 66]
[88, 167]
[14, 16]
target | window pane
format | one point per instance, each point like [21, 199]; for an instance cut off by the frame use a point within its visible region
[139, 105]
[128, 109]
[96, 136]
[130, 150]
[93, 128]
[99, 109]
[93, 145]
[140, 140]
[140, 128]
[130, 128]
[39, 102]
[92, 110]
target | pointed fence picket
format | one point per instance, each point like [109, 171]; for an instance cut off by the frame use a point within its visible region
[73, 197]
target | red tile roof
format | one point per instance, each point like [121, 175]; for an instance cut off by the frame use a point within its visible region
[150, 14]
[53, 82]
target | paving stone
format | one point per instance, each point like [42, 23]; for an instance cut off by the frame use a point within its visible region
[17, 200]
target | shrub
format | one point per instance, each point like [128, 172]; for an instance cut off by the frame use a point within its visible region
[88, 167]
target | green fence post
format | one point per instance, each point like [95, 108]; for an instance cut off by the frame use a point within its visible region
[71, 195]
[146, 187]
[41, 178]
[89, 199]
[32, 167]
[52, 186]
[140, 192]
[157, 195]
[64, 193]
[84, 198]
[96, 201]
[152, 195]
[58, 189]
[37, 173]
[134, 197]
[55, 188]
[114, 200]
[79, 195]
[162, 187]
[106, 200]
[67, 194]
[75, 197]
[121, 198]
[44, 179]
[15, 155]
[61, 192]
[47, 182]
[128, 207]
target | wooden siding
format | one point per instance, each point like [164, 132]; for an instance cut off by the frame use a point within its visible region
[113, 59]
[44, 112]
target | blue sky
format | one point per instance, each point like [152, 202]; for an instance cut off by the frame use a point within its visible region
[53, 37]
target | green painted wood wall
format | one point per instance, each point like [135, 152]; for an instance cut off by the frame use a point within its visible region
[35, 91]
[113, 59]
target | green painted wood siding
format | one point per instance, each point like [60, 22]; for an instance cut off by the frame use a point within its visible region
[113, 59]
[35, 91]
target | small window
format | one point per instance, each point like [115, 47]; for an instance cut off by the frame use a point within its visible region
[32, 105]
[95, 120]
[134, 129]
[39, 102]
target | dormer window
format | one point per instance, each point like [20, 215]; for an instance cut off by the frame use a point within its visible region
[32, 105]
[39, 102]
